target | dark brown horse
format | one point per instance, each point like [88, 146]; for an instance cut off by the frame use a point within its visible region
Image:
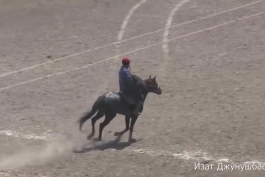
[110, 104]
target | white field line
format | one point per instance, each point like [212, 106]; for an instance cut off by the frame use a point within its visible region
[168, 26]
[125, 40]
[165, 48]
[24, 136]
[126, 20]
[185, 155]
[120, 37]
[8, 174]
[124, 24]
[132, 51]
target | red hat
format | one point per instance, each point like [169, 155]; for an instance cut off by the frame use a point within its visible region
[125, 61]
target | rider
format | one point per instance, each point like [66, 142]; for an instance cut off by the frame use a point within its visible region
[126, 85]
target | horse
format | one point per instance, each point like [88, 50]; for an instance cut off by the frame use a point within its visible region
[110, 104]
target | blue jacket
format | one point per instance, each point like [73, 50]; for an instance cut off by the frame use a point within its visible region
[125, 79]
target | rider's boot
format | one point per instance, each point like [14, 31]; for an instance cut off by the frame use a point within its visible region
[136, 110]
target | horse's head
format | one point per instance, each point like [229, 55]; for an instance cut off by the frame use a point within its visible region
[152, 85]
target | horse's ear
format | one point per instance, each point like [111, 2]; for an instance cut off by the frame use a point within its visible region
[154, 78]
[150, 77]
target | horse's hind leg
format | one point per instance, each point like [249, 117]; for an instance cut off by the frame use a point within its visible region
[108, 118]
[127, 126]
[93, 122]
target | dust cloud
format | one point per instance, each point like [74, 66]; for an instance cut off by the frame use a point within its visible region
[37, 154]
[54, 149]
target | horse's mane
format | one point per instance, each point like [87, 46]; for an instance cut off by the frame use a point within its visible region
[137, 78]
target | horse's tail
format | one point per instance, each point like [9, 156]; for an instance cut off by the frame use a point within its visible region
[89, 114]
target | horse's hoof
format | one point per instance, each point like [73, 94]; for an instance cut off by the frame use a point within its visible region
[82, 131]
[131, 140]
[117, 134]
[96, 139]
[90, 136]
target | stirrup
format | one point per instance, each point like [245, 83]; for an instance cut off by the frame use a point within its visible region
[138, 113]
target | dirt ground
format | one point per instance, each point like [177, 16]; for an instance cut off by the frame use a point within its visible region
[58, 56]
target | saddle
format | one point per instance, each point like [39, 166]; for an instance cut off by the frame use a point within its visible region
[127, 98]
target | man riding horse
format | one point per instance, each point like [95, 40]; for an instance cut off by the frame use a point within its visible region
[133, 92]
[129, 90]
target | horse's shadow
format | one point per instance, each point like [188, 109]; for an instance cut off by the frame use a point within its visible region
[114, 144]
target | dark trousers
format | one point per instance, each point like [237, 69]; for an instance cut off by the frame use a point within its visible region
[135, 92]
[139, 99]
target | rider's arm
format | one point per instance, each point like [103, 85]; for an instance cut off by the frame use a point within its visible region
[120, 84]
[128, 78]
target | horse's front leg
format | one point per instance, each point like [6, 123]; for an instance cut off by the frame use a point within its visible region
[133, 120]
[127, 124]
